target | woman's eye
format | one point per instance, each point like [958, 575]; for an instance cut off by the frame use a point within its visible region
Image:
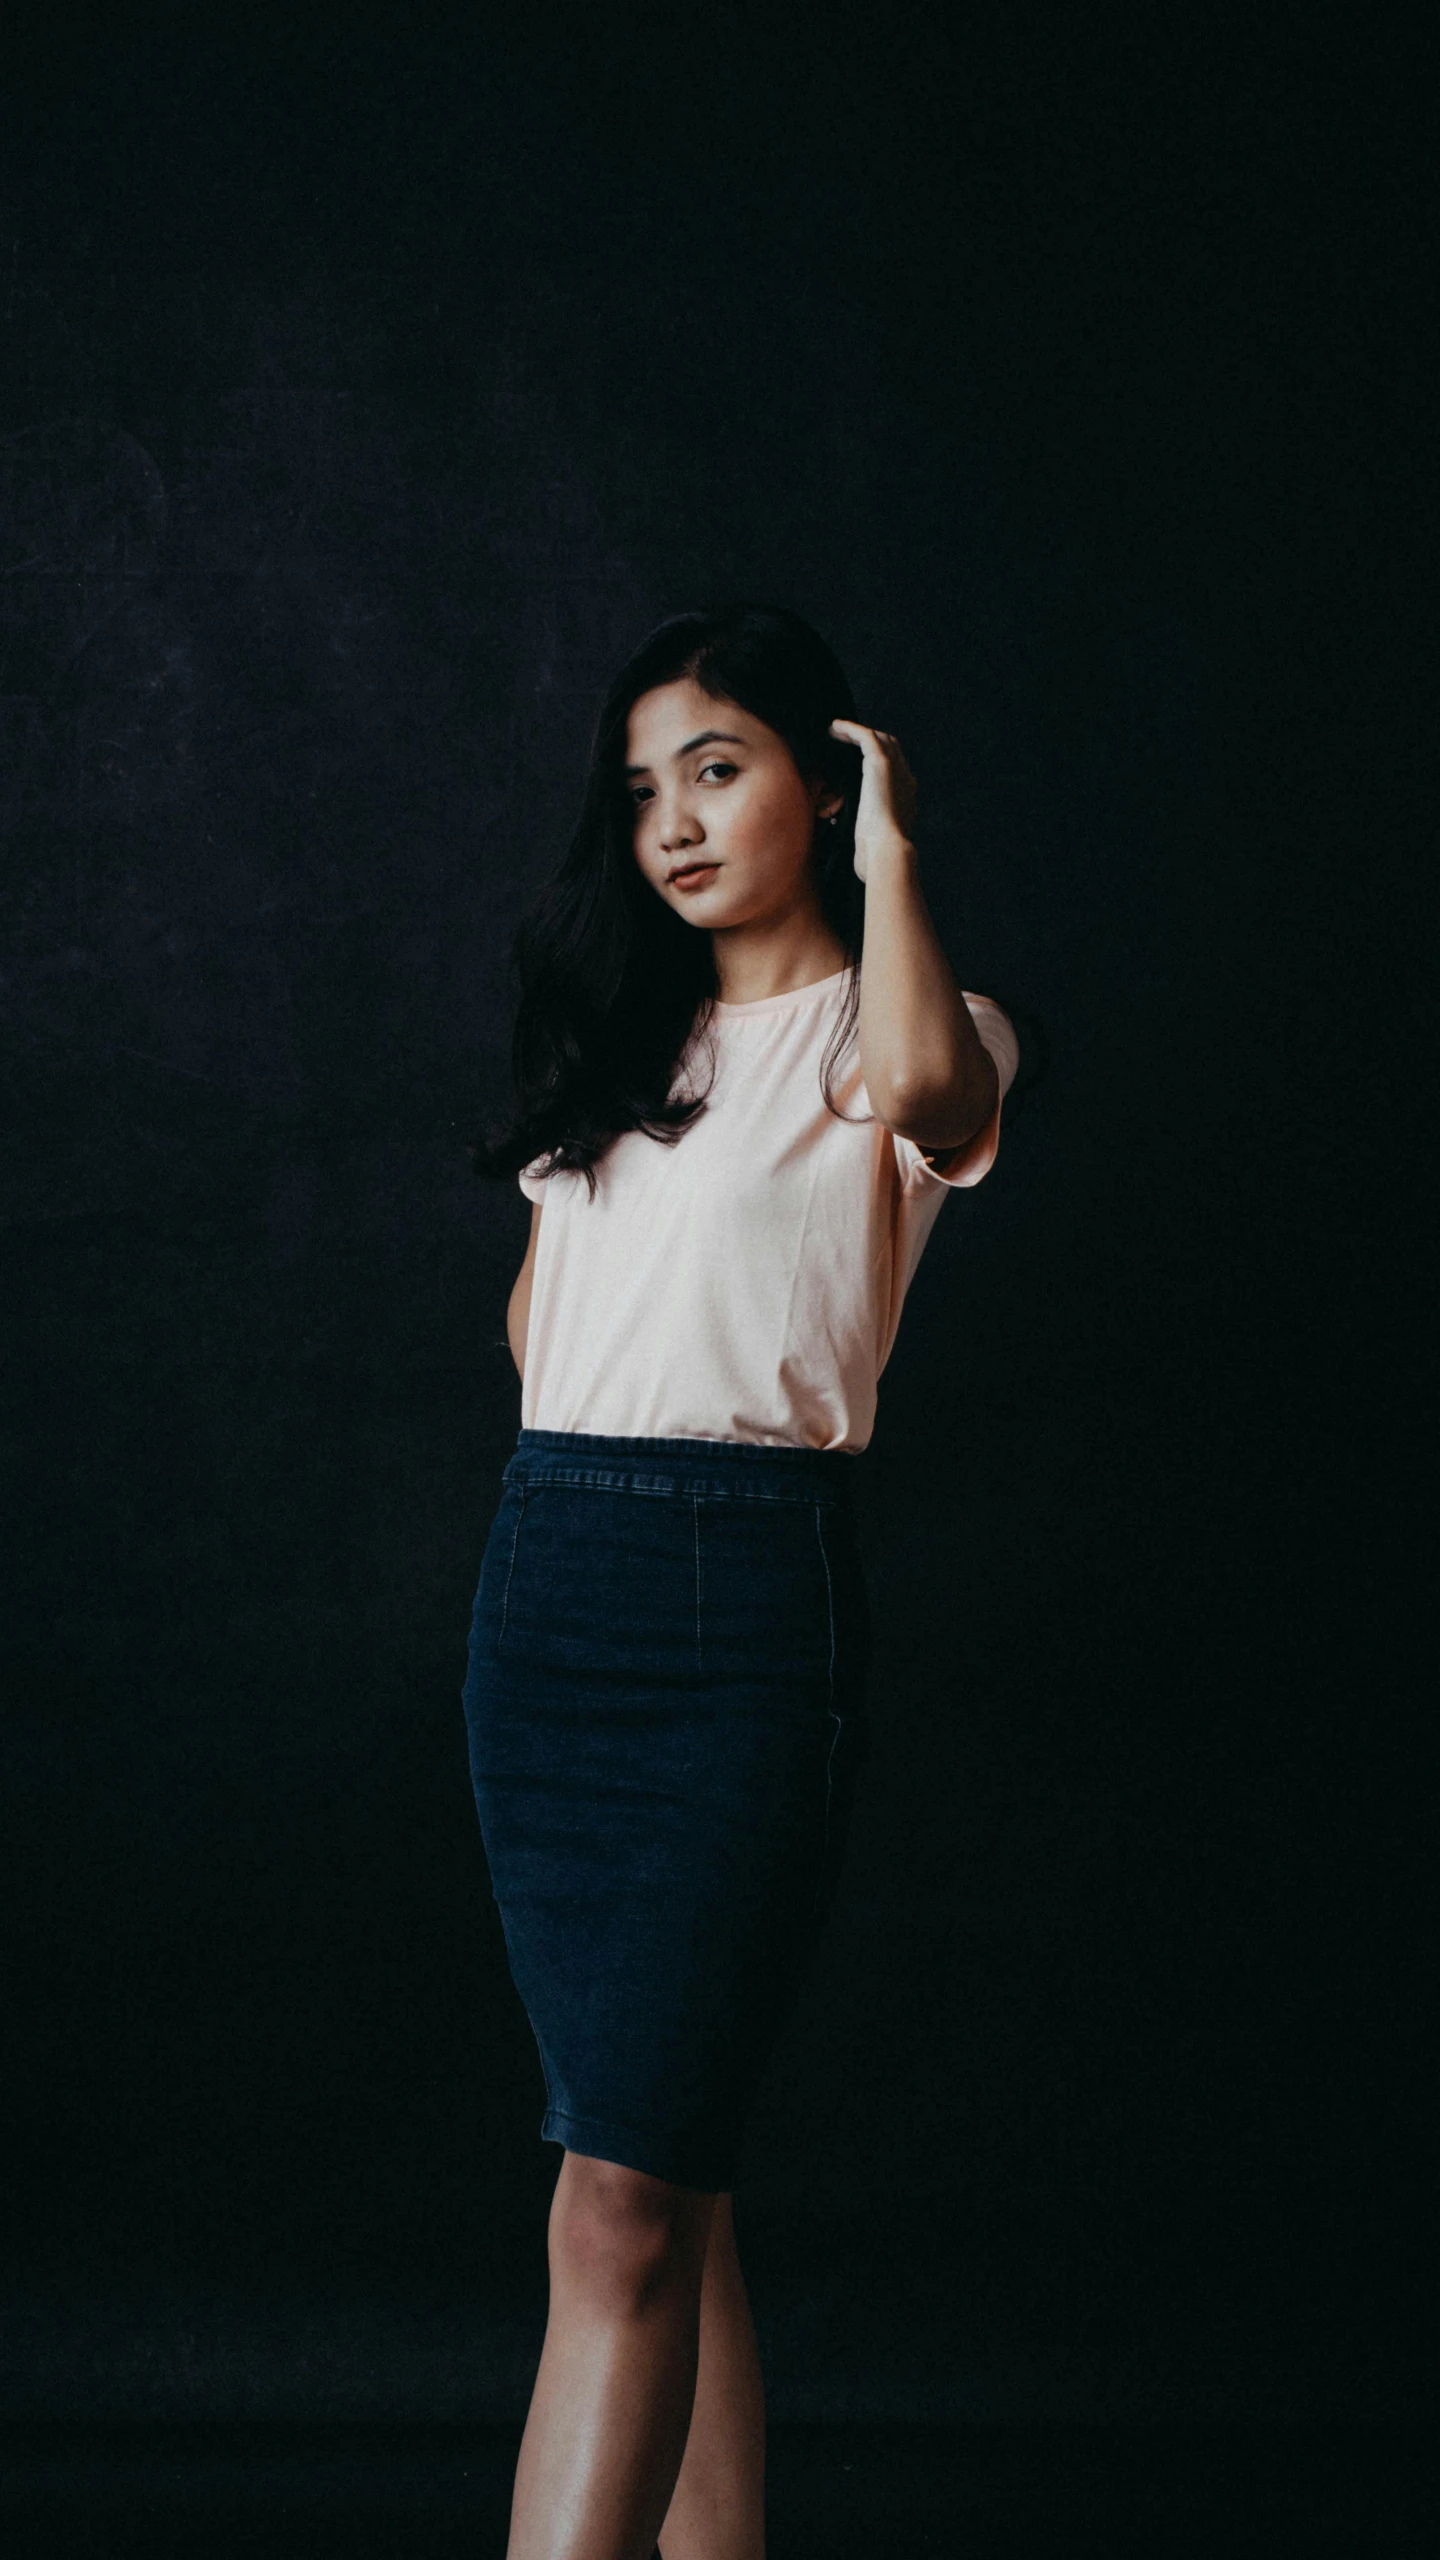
[640, 792]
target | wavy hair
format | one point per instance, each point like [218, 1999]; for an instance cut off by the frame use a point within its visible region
[611, 985]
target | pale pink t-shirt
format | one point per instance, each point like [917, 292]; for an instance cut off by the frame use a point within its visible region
[745, 1283]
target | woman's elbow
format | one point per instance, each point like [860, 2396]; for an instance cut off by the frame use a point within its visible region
[948, 1114]
[517, 1322]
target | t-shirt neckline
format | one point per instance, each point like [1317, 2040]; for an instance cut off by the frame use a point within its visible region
[792, 995]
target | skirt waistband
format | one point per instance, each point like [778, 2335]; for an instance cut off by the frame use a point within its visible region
[743, 1470]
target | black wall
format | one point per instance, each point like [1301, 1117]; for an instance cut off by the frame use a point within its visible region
[367, 396]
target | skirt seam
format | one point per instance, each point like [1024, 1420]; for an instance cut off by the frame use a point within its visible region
[510, 1568]
[699, 1638]
[679, 2152]
[668, 1492]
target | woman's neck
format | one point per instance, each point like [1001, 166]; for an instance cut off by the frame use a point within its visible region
[754, 961]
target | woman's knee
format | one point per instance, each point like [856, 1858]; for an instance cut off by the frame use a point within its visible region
[625, 2237]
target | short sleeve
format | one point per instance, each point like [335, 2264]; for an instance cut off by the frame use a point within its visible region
[530, 1181]
[973, 1161]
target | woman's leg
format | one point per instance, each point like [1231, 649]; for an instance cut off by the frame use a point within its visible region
[608, 2419]
[718, 2509]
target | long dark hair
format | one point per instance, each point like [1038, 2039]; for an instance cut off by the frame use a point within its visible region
[612, 984]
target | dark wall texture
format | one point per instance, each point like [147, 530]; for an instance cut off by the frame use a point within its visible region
[370, 387]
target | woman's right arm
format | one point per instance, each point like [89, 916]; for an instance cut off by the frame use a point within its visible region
[517, 1316]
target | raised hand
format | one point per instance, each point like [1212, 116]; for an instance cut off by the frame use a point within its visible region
[886, 812]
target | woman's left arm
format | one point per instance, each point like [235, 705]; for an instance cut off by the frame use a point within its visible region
[926, 1070]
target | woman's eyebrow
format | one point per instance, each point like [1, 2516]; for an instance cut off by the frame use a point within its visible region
[706, 738]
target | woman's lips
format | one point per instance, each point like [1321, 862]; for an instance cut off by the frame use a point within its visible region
[693, 876]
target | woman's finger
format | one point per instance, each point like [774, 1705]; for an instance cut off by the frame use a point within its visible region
[865, 738]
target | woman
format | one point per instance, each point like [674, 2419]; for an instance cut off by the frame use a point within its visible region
[735, 1140]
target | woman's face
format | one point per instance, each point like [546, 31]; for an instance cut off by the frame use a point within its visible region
[724, 821]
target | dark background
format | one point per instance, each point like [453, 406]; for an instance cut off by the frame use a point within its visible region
[369, 392]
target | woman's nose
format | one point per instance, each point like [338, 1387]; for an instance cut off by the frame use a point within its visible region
[678, 826]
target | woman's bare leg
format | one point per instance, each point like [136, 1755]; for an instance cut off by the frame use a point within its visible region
[718, 2508]
[610, 2411]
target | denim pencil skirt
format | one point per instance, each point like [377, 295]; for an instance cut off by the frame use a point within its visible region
[665, 1708]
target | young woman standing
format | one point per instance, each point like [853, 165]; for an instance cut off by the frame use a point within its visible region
[736, 1140]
